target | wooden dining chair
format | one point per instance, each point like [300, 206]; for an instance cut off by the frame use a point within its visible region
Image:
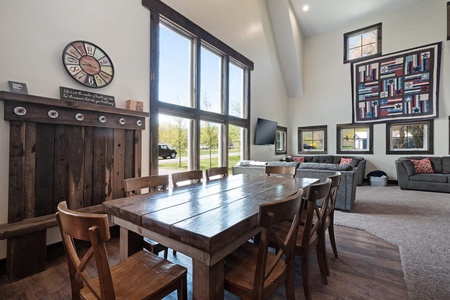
[216, 173]
[310, 233]
[328, 219]
[251, 271]
[140, 276]
[194, 176]
[133, 186]
[281, 170]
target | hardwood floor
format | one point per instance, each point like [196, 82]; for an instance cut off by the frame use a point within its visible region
[368, 268]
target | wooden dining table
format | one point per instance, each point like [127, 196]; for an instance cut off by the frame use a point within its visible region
[204, 221]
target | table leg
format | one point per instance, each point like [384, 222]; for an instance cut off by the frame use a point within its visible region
[207, 281]
[130, 243]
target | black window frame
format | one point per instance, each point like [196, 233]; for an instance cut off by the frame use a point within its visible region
[429, 137]
[377, 26]
[302, 150]
[340, 127]
[160, 11]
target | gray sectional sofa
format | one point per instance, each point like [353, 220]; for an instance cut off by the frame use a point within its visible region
[321, 170]
[358, 163]
[408, 179]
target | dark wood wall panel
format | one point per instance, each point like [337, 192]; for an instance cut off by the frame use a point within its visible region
[99, 165]
[109, 166]
[128, 163]
[60, 188]
[16, 171]
[119, 160]
[45, 150]
[88, 166]
[29, 170]
[75, 155]
[63, 159]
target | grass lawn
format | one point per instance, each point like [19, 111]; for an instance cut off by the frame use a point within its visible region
[204, 163]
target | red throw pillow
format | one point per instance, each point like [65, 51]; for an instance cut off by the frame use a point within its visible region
[423, 165]
[345, 161]
[298, 159]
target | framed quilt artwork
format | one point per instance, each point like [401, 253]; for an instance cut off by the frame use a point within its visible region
[398, 86]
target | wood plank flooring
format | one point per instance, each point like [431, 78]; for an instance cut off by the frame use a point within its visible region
[367, 268]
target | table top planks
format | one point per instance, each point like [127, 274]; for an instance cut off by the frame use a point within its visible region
[207, 215]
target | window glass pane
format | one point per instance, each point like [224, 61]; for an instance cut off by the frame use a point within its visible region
[354, 41]
[236, 140]
[236, 91]
[354, 139]
[210, 96]
[210, 135]
[369, 37]
[281, 141]
[174, 67]
[413, 137]
[362, 43]
[318, 140]
[173, 136]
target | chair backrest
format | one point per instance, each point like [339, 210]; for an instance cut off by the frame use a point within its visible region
[281, 170]
[315, 214]
[193, 176]
[335, 181]
[93, 228]
[133, 186]
[220, 172]
[270, 214]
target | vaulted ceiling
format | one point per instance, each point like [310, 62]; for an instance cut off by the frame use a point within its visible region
[291, 24]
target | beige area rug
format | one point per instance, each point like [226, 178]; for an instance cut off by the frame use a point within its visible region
[419, 223]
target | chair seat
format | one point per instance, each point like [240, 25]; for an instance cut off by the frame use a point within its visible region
[156, 277]
[240, 267]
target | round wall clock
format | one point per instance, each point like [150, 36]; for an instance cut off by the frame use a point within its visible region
[88, 64]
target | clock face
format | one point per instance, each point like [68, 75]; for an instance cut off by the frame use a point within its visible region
[88, 64]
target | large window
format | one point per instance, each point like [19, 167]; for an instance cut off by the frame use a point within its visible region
[312, 139]
[353, 139]
[200, 87]
[362, 43]
[409, 138]
[281, 140]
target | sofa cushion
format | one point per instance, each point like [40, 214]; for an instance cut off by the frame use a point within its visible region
[441, 178]
[423, 165]
[325, 166]
[250, 163]
[446, 164]
[328, 159]
[436, 163]
[409, 166]
[283, 163]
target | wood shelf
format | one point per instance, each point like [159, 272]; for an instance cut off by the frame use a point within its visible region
[30, 108]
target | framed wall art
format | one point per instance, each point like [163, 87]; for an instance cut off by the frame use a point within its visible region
[398, 86]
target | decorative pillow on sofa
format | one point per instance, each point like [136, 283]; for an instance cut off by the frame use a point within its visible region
[345, 161]
[422, 165]
[298, 159]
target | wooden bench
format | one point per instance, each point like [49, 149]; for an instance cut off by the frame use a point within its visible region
[29, 235]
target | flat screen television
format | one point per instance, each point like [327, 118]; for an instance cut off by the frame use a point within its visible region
[265, 132]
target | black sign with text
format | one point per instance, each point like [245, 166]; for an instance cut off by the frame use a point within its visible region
[94, 98]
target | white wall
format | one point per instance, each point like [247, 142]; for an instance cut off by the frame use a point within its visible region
[34, 33]
[327, 96]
